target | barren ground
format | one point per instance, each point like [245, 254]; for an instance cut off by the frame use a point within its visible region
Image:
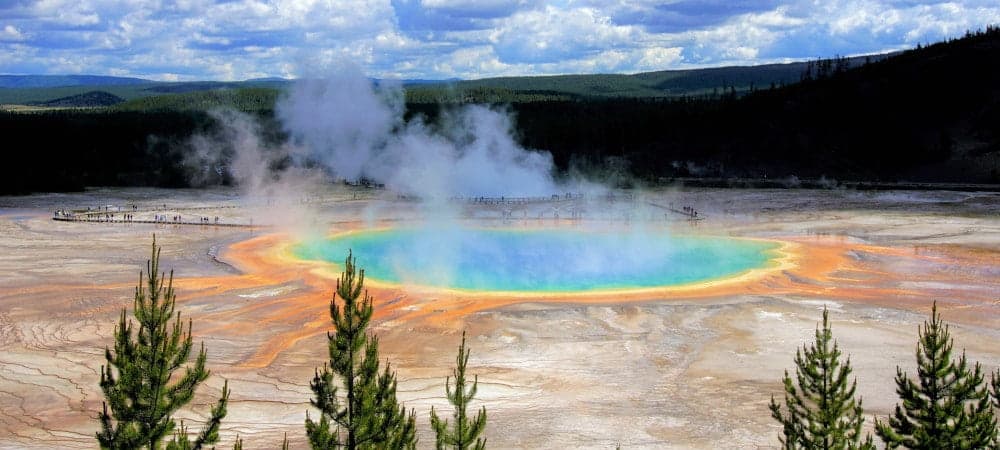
[689, 369]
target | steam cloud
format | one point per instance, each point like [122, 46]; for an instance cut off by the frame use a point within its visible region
[347, 127]
[355, 129]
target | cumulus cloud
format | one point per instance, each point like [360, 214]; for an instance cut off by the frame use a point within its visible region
[658, 57]
[237, 39]
[850, 27]
[553, 34]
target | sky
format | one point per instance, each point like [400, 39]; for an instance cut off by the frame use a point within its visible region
[437, 39]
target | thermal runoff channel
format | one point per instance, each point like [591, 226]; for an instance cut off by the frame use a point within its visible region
[540, 260]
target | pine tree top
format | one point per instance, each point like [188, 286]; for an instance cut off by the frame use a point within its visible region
[365, 412]
[465, 431]
[139, 383]
[820, 410]
[947, 406]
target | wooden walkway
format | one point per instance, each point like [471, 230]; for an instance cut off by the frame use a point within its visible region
[688, 212]
[156, 222]
[160, 216]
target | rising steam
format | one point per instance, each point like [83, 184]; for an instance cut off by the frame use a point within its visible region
[347, 127]
[355, 129]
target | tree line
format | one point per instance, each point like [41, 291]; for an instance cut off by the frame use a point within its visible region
[247, 99]
[949, 404]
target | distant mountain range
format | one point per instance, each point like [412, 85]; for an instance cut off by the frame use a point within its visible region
[48, 81]
[40, 89]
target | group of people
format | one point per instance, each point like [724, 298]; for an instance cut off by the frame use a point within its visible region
[105, 217]
[178, 219]
[163, 218]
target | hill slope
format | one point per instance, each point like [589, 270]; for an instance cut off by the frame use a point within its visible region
[247, 99]
[131, 91]
[710, 82]
[37, 89]
[929, 114]
[87, 99]
[670, 83]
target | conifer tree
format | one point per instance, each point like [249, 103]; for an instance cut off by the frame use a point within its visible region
[465, 432]
[996, 389]
[947, 407]
[995, 384]
[139, 383]
[366, 415]
[820, 409]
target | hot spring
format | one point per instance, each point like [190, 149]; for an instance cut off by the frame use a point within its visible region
[540, 260]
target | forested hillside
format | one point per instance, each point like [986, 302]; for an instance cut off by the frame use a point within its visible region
[89, 99]
[662, 84]
[930, 114]
[251, 99]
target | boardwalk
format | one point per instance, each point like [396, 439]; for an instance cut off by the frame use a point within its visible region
[686, 211]
[158, 216]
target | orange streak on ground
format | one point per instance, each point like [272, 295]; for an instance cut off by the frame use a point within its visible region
[825, 267]
[282, 320]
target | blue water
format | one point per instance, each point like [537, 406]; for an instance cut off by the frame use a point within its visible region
[539, 260]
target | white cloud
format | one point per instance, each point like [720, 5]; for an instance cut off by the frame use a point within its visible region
[204, 39]
[555, 34]
[737, 41]
[10, 33]
[658, 58]
[471, 62]
[67, 12]
[777, 18]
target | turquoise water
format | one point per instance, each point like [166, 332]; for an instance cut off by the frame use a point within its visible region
[539, 260]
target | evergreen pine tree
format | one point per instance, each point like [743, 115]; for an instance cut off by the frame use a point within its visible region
[949, 406]
[367, 415]
[820, 409]
[466, 431]
[137, 380]
[995, 382]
